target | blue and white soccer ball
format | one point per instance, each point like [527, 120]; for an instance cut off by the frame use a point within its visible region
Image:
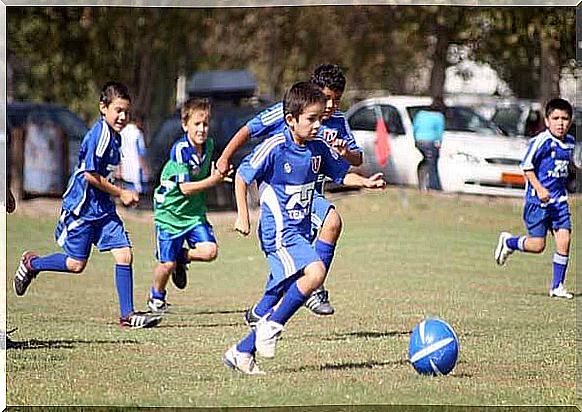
[433, 348]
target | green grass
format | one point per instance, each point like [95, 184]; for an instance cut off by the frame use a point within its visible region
[398, 262]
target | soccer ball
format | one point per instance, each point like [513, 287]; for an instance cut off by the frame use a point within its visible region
[433, 348]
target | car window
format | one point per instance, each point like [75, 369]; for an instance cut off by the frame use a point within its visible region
[462, 119]
[365, 119]
[509, 119]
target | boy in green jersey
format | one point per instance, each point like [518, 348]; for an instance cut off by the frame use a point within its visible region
[180, 204]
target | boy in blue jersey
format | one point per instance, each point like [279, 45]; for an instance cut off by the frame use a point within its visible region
[545, 166]
[88, 214]
[326, 221]
[286, 168]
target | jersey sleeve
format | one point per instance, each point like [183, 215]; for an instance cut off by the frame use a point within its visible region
[348, 136]
[180, 172]
[333, 165]
[267, 122]
[96, 143]
[141, 148]
[535, 151]
[259, 161]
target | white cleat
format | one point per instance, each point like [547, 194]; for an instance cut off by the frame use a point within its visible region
[241, 362]
[502, 251]
[268, 333]
[560, 292]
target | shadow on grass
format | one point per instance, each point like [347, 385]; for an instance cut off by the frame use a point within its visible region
[347, 366]
[367, 335]
[212, 312]
[170, 325]
[60, 344]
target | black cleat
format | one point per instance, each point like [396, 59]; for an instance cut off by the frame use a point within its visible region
[24, 274]
[319, 304]
[179, 277]
[139, 320]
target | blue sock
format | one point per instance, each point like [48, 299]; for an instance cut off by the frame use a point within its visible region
[290, 304]
[267, 302]
[560, 266]
[183, 256]
[516, 243]
[325, 251]
[57, 262]
[124, 285]
[247, 345]
[157, 295]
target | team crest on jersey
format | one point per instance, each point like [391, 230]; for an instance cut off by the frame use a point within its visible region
[329, 135]
[287, 167]
[315, 164]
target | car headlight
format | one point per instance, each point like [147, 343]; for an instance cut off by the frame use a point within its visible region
[464, 157]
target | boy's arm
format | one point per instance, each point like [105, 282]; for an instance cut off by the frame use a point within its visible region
[128, 197]
[237, 141]
[542, 193]
[242, 223]
[190, 188]
[373, 182]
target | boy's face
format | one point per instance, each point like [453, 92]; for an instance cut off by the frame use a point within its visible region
[558, 123]
[332, 98]
[116, 114]
[197, 126]
[308, 123]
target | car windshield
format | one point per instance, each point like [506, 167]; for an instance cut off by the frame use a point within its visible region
[461, 119]
[509, 118]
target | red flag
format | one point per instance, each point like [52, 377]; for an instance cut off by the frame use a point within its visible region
[382, 144]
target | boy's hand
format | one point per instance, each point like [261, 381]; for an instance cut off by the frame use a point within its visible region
[543, 194]
[242, 225]
[129, 197]
[340, 146]
[217, 176]
[223, 166]
[375, 181]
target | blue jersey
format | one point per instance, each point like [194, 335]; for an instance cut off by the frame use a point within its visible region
[286, 174]
[271, 121]
[549, 158]
[99, 153]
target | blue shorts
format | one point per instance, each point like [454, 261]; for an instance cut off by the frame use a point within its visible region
[169, 245]
[539, 219]
[287, 261]
[76, 236]
[319, 210]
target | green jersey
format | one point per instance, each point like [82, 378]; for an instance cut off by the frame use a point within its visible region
[175, 212]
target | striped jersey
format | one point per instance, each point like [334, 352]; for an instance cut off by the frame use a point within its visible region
[549, 157]
[173, 210]
[271, 121]
[286, 174]
[99, 153]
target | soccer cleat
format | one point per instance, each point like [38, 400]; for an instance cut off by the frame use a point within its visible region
[319, 304]
[139, 320]
[267, 334]
[251, 318]
[502, 251]
[242, 362]
[179, 275]
[25, 273]
[158, 305]
[560, 292]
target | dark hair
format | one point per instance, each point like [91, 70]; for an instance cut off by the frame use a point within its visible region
[193, 104]
[112, 90]
[330, 76]
[301, 95]
[558, 104]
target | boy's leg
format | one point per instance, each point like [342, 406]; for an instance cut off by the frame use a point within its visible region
[327, 223]
[75, 237]
[111, 236]
[560, 264]
[157, 298]
[203, 248]
[168, 252]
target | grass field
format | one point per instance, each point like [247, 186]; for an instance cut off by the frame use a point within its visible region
[402, 257]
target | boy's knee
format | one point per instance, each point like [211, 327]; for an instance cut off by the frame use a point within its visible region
[332, 225]
[536, 245]
[76, 266]
[208, 252]
[316, 273]
[123, 256]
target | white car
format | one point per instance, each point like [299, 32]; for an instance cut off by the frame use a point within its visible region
[475, 156]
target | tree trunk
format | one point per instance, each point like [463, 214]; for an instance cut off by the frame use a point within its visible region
[550, 65]
[439, 62]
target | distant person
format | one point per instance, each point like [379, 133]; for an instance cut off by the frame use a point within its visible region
[429, 126]
[545, 166]
[534, 123]
[326, 221]
[286, 168]
[134, 167]
[180, 204]
[88, 211]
